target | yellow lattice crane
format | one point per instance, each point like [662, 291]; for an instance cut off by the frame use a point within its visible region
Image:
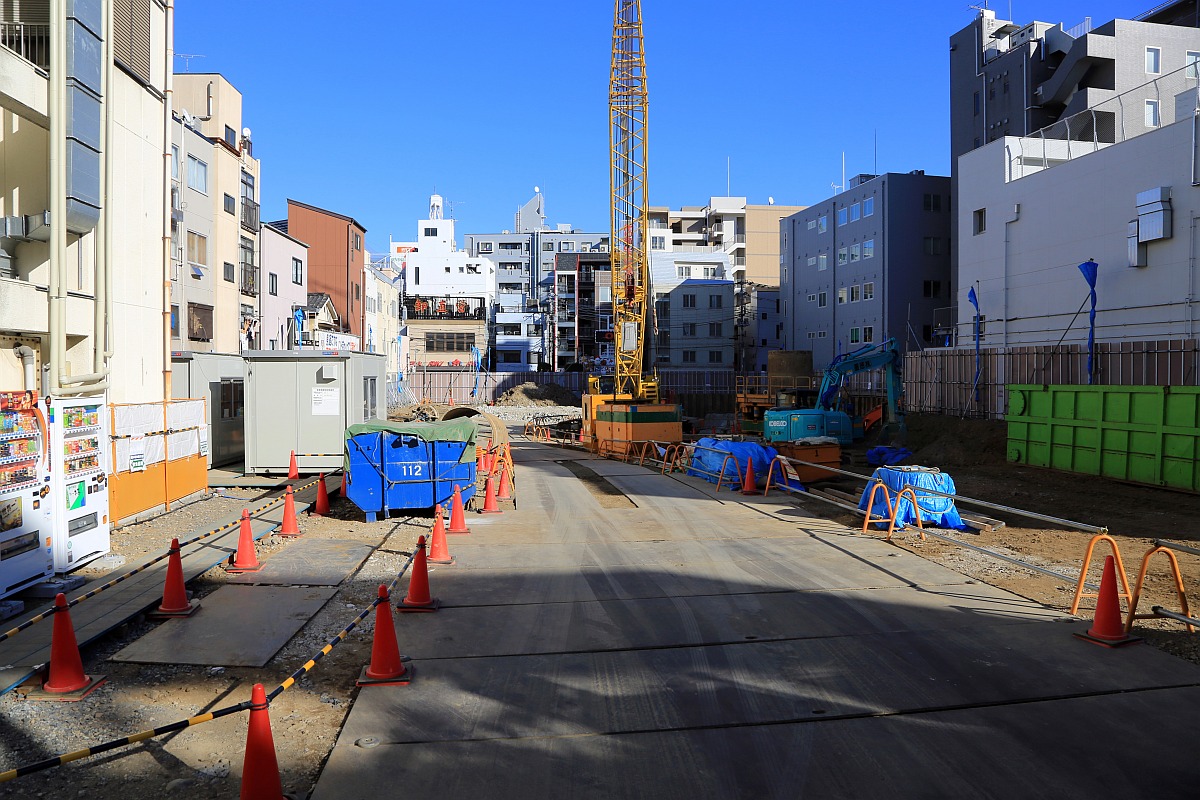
[632, 387]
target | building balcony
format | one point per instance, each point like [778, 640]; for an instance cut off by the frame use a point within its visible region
[30, 42]
[249, 284]
[250, 220]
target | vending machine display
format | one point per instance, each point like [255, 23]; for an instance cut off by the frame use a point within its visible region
[78, 446]
[25, 510]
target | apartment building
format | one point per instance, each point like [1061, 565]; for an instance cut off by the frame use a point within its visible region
[1067, 88]
[381, 322]
[336, 258]
[693, 321]
[868, 264]
[216, 279]
[760, 327]
[747, 233]
[285, 269]
[524, 260]
[582, 301]
[107, 276]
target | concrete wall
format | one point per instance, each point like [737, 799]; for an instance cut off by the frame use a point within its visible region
[1026, 272]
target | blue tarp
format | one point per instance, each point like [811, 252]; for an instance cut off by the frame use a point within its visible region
[936, 511]
[709, 460]
[887, 456]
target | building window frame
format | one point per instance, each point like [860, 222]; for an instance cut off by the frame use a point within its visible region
[197, 175]
[1153, 60]
[1153, 120]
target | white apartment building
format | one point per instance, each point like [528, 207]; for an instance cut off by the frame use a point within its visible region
[693, 310]
[107, 277]
[381, 317]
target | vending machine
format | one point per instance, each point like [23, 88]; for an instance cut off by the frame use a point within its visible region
[77, 457]
[25, 511]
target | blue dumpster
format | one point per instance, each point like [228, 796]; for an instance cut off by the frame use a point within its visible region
[394, 465]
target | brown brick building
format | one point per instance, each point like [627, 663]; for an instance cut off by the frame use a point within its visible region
[336, 258]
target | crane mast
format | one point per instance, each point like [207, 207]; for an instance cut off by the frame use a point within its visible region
[629, 240]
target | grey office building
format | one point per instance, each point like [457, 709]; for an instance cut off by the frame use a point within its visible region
[870, 263]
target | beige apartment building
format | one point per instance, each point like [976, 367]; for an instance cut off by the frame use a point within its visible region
[85, 314]
[216, 278]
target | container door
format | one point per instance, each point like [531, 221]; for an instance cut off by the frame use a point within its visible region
[450, 472]
[364, 481]
[408, 469]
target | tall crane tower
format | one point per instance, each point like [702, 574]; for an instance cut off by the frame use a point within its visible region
[629, 242]
[622, 413]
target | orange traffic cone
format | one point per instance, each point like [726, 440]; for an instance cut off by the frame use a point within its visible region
[260, 769]
[321, 507]
[293, 471]
[418, 598]
[246, 559]
[479, 460]
[489, 498]
[749, 485]
[504, 492]
[289, 527]
[387, 665]
[65, 678]
[458, 520]
[175, 601]
[439, 551]
[1107, 629]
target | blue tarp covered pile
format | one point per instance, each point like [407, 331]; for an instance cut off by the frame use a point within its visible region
[709, 453]
[936, 511]
[887, 456]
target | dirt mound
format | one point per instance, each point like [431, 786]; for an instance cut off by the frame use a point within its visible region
[947, 442]
[530, 394]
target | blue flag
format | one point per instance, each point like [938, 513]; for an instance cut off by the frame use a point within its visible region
[1090, 269]
[973, 299]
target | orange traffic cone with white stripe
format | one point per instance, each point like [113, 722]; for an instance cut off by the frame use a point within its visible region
[246, 559]
[293, 471]
[418, 597]
[387, 665]
[260, 768]
[175, 601]
[439, 551]
[458, 519]
[749, 484]
[65, 678]
[289, 528]
[1107, 629]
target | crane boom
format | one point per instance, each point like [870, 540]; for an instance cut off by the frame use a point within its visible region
[629, 240]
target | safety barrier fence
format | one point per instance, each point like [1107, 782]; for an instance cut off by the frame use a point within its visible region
[29, 623]
[1133, 597]
[247, 705]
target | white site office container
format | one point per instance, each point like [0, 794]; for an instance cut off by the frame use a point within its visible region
[303, 401]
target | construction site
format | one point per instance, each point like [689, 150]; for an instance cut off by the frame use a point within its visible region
[301, 579]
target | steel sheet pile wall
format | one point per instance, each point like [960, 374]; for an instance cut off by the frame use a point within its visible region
[159, 453]
[1148, 434]
[941, 381]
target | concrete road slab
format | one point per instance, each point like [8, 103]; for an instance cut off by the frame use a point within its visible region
[754, 683]
[236, 626]
[309, 562]
[706, 619]
[1073, 749]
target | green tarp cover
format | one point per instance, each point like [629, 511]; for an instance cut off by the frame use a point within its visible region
[463, 429]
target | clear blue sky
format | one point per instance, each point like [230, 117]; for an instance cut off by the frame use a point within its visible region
[369, 111]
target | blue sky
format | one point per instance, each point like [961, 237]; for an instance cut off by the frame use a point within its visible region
[370, 111]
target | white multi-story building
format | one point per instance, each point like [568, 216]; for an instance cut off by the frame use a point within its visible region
[525, 290]
[381, 316]
[107, 277]
[693, 310]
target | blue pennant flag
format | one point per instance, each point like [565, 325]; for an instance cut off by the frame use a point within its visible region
[1090, 270]
[973, 299]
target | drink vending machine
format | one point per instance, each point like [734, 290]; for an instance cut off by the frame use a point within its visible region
[77, 457]
[26, 513]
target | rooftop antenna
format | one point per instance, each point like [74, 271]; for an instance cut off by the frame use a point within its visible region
[187, 59]
[727, 176]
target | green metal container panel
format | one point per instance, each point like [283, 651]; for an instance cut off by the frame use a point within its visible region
[1147, 434]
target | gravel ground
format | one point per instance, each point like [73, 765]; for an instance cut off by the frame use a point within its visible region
[525, 413]
[206, 760]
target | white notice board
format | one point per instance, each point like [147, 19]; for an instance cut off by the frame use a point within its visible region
[326, 401]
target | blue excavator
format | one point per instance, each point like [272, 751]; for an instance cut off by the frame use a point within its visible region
[787, 422]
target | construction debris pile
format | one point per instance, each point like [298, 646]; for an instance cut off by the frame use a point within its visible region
[530, 394]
